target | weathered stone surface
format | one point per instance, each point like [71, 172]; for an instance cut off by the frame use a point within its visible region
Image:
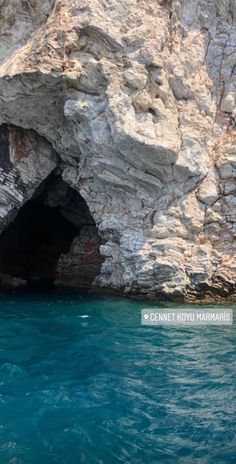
[134, 101]
[26, 160]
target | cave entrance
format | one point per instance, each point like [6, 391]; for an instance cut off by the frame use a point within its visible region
[53, 240]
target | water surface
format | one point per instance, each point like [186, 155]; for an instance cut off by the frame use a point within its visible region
[81, 381]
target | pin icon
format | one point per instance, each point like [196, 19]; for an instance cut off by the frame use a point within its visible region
[145, 316]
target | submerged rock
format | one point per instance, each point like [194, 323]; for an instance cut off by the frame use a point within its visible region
[133, 103]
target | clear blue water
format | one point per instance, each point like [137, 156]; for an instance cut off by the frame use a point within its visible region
[103, 389]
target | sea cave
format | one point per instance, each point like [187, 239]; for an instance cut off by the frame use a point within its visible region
[52, 241]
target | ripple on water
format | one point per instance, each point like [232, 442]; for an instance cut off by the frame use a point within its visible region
[82, 382]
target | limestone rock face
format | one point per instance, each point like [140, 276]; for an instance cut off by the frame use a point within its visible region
[26, 160]
[134, 102]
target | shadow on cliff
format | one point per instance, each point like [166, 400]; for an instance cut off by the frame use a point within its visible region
[42, 232]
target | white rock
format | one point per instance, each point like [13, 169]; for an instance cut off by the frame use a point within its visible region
[125, 97]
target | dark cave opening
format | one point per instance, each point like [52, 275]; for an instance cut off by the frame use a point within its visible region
[31, 245]
[52, 240]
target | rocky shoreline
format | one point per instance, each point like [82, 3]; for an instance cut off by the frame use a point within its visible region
[126, 110]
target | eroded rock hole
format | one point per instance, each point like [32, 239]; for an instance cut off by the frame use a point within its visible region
[53, 240]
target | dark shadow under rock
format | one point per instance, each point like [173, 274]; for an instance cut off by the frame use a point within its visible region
[52, 240]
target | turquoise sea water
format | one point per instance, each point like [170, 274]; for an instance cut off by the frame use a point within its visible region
[81, 381]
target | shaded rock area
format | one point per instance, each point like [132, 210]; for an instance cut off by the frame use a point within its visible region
[52, 228]
[134, 104]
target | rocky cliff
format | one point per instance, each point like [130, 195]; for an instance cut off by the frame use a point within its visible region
[133, 103]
